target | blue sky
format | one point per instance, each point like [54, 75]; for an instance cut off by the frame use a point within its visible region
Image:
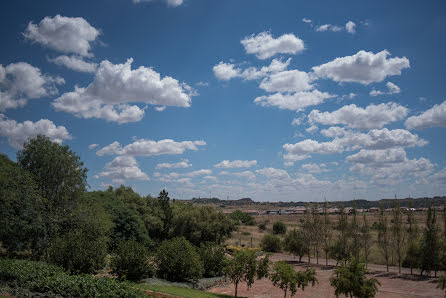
[273, 100]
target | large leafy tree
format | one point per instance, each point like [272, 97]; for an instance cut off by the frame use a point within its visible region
[59, 172]
[294, 243]
[285, 277]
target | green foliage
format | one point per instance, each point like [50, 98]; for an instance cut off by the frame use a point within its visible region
[178, 260]
[243, 218]
[271, 243]
[200, 224]
[262, 226]
[442, 283]
[43, 278]
[131, 261]
[338, 251]
[285, 277]
[430, 244]
[351, 281]
[279, 228]
[384, 236]
[212, 255]
[294, 243]
[244, 267]
[21, 219]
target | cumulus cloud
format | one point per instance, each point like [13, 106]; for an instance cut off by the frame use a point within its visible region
[350, 27]
[274, 173]
[308, 21]
[373, 116]
[287, 81]
[144, 147]
[19, 133]
[391, 89]
[314, 168]
[93, 146]
[116, 85]
[378, 157]
[123, 168]
[328, 27]
[21, 81]
[363, 67]
[246, 174]
[74, 63]
[226, 164]
[63, 34]
[264, 45]
[311, 146]
[182, 164]
[294, 101]
[290, 159]
[171, 3]
[435, 116]
[226, 71]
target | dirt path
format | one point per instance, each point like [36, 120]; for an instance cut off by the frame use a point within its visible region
[392, 283]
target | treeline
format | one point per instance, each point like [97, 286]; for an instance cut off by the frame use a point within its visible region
[47, 214]
[351, 237]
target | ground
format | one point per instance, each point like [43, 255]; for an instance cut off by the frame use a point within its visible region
[392, 283]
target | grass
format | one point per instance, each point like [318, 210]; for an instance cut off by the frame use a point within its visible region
[179, 291]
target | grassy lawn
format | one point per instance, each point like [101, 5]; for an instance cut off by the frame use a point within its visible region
[178, 291]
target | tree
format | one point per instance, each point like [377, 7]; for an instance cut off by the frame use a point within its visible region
[294, 243]
[351, 281]
[279, 228]
[212, 255]
[244, 218]
[341, 245]
[326, 232]
[442, 283]
[307, 232]
[271, 243]
[58, 171]
[384, 235]
[167, 212]
[355, 234]
[413, 250]
[244, 267]
[366, 239]
[430, 244]
[317, 229]
[285, 277]
[398, 232]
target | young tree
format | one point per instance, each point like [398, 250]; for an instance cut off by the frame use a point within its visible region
[326, 232]
[398, 232]
[384, 235]
[413, 251]
[285, 277]
[442, 283]
[355, 234]
[244, 267]
[167, 212]
[271, 243]
[294, 243]
[341, 246]
[430, 244]
[351, 281]
[366, 239]
[307, 232]
[279, 228]
[317, 231]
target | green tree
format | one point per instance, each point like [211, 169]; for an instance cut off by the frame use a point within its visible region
[355, 234]
[326, 231]
[366, 239]
[413, 246]
[341, 246]
[271, 243]
[317, 230]
[212, 255]
[294, 243]
[285, 277]
[243, 218]
[398, 232]
[384, 235]
[167, 212]
[178, 260]
[442, 283]
[351, 281]
[279, 228]
[430, 244]
[307, 232]
[244, 267]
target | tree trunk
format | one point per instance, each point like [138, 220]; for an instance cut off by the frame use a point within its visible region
[326, 258]
[284, 296]
[411, 270]
[236, 284]
[317, 257]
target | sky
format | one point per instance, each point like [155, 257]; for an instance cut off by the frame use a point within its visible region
[271, 100]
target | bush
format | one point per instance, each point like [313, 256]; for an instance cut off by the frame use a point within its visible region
[43, 278]
[212, 256]
[262, 226]
[271, 243]
[178, 260]
[279, 228]
[241, 217]
[131, 261]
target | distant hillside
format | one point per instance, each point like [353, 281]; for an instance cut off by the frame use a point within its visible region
[244, 201]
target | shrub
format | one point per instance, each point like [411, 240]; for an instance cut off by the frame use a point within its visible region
[212, 256]
[279, 228]
[241, 217]
[131, 261]
[43, 278]
[271, 243]
[262, 226]
[178, 260]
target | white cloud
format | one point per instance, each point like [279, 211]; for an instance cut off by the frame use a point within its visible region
[363, 67]
[350, 27]
[226, 164]
[439, 177]
[290, 159]
[64, 34]
[308, 21]
[295, 101]
[196, 173]
[171, 3]
[246, 174]
[75, 63]
[287, 81]
[122, 168]
[116, 85]
[21, 81]
[19, 133]
[373, 116]
[144, 147]
[93, 146]
[328, 27]
[311, 146]
[274, 173]
[435, 116]
[378, 157]
[264, 45]
[314, 168]
[297, 121]
[182, 164]
[391, 89]
[226, 71]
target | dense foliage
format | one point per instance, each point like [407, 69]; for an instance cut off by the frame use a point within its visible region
[294, 243]
[271, 243]
[131, 261]
[52, 280]
[212, 255]
[279, 228]
[285, 277]
[243, 218]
